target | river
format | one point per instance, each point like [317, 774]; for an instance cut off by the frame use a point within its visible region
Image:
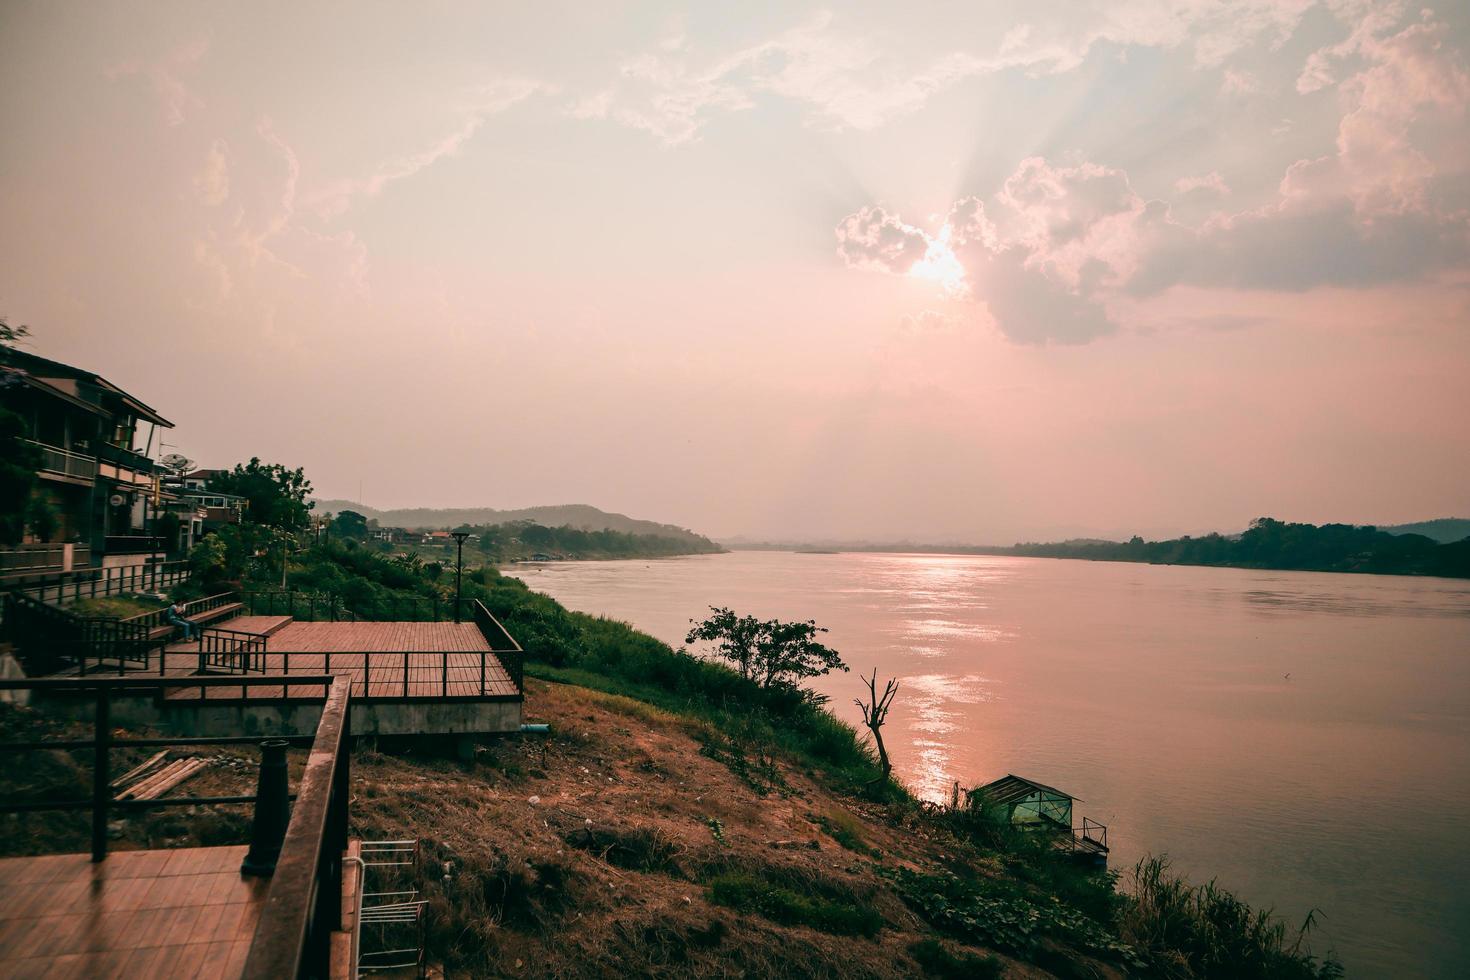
[1303, 737]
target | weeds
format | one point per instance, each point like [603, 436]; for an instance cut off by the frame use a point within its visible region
[759, 772]
[1206, 932]
[639, 849]
[936, 961]
[746, 892]
[1000, 914]
[845, 829]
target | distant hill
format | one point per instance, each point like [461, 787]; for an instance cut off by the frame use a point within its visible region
[1445, 530]
[582, 516]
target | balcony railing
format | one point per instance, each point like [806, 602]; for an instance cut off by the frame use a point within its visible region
[131, 544]
[64, 462]
[119, 456]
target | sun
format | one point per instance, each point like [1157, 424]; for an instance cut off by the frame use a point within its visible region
[940, 265]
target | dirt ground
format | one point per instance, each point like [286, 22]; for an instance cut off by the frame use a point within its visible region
[587, 852]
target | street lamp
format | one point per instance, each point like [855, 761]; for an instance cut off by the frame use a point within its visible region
[459, 537]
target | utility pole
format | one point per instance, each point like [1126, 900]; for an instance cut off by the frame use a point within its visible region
[459, 537]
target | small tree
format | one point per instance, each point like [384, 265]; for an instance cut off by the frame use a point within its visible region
[734, 636]
[788, 653]
[350, 524]
[275, 495]
[769, 652]
[209, 559]
[42, 518]
[875, 713]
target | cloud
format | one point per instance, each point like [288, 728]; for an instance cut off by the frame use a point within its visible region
[163, 77]
[1409, 80]
[338, 195]
[212, 184]
[851, 80]
[1040, 254]
[874, 239]
[1058, 244]
[1209, 185]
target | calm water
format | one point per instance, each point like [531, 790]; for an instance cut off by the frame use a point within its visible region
[1303, 737]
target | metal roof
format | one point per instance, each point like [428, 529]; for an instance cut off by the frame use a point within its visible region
[1011, 788]
[55, 376]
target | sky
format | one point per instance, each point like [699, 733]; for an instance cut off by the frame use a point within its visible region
[964, 272]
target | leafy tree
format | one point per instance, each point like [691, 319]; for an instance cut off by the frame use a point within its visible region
[734, 637]
[209, 559]
[42, 518]
[788, 653]
[18, 463]
[276, 495]
[350, 524]
[769, 652]
[19, 460]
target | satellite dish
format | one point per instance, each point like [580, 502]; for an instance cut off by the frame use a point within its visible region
[116, 500]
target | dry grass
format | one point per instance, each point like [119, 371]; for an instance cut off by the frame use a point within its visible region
[616, 868]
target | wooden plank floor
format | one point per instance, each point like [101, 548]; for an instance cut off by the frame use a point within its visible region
[186, 912]
[441, 660]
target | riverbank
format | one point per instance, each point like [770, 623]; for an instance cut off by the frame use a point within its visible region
[635, 840]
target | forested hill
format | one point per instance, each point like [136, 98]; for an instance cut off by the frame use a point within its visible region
[1445, 530]
[522, 540]
[1270, 543]
[580, 516]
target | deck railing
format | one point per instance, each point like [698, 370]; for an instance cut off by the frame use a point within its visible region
[94, 583]
[231, 651]
[52, 640]
[502, 644]
[293, 935]
[1092, 831]
[303, 906]
[102, 691]
[306, 607]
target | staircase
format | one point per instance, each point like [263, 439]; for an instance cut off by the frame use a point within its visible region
[51, 640]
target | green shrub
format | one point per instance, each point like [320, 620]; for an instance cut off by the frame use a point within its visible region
[749, 893]
[936, 961]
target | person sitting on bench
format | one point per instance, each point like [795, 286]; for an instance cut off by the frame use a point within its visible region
[175, 618]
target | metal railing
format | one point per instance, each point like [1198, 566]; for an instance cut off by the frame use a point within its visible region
[301, 606]
[52, 640]
[102, 743]
[43, 559]
[94, 583]
[131, 544]
[293, 934]
[502, 644]
[231, 651]
[119, 456]
[64, 462]
[1093, 832]
[156, 618]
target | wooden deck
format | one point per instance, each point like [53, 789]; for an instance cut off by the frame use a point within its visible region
[186, 912]
[385, 660]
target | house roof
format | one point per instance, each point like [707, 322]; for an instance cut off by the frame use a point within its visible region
[1011, 788]
[63, 378]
